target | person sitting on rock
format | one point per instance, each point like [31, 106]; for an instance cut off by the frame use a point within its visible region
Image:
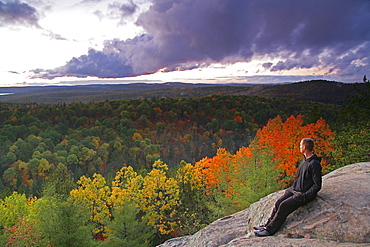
[304, 189]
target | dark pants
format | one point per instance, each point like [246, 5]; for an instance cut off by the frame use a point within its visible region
[284, 206]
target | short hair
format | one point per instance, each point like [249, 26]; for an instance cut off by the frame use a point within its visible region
[308, 143]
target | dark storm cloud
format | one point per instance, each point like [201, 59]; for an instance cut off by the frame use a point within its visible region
[333, 34]
[17, 13]
[267, 65]
[95, 63]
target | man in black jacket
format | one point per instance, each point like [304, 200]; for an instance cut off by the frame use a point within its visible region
[304, 189]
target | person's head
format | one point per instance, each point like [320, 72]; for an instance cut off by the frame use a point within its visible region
[307, 144]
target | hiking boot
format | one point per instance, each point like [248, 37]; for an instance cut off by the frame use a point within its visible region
[259, 228]
[262, 233]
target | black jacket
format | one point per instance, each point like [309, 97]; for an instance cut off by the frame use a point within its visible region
[308, 180]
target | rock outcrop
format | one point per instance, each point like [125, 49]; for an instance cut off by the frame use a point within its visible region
[340, 216]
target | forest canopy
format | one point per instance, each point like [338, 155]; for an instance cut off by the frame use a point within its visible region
[162, 167]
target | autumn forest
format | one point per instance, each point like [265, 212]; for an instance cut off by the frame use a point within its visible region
[136, 172]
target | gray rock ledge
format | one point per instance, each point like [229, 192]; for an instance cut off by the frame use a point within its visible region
[340, 216]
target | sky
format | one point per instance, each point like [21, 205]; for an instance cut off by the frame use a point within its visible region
[69, 42]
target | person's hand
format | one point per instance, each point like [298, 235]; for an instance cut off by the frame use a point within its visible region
[299, 197]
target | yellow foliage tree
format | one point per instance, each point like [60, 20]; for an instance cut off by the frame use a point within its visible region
[193, 212]
[187, 175]
[159, 198]
[126, 187]
[95, 194]
[43, 168]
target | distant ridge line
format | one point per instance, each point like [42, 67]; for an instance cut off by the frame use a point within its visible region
[315, 90]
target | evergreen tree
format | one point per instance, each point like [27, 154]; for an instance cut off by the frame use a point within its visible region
[59, 182]
[127, 228]
[63, 223]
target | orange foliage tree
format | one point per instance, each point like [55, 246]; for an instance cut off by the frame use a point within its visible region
[283, 139]
[217, 178]
[235, 181]
[213, 170]
[270, 159]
